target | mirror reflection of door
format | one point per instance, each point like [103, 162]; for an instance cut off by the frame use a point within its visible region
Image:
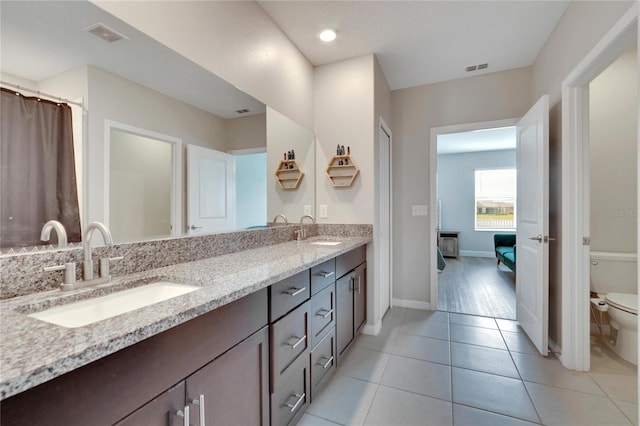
[141, 194]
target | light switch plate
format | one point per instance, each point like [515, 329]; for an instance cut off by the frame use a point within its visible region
[323, 211]
[307, 209]
[420, 210]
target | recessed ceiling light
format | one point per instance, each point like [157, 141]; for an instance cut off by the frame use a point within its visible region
[328, 35]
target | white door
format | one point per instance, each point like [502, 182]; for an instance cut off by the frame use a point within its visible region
[211, 190]
[532, 248]
[385, 220]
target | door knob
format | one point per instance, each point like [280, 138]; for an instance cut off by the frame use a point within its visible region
[538, 238]
[193, 227]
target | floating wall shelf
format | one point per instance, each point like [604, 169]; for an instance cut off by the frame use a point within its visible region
[289, 175]
[342, 175]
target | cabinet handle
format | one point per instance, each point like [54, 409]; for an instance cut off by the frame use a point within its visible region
[200, 403]
[298, 401]
[358, 284]
[298, 341]
[295, 291]
[326, 364]
[184, 414]
[324, 274]
[352, 284]
[324, 313]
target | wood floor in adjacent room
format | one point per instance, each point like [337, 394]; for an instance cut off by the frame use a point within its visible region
[473, 285]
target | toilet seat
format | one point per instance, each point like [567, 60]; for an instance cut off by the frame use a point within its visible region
[624, 301]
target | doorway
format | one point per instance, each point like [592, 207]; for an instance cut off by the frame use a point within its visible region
[476, 199]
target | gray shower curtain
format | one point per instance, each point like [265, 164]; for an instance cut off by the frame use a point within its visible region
[37, 170]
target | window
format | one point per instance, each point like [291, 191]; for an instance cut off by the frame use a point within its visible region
[495, 199]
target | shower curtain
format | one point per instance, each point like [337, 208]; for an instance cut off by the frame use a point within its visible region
[37, 169]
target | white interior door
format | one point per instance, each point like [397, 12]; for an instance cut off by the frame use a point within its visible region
[211, 189]
[532, 252]
[385, 220]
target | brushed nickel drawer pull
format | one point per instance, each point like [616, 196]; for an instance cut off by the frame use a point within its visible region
[324, 313]
[297, 403]
[324, 274]
[184, 414]
[326, 364]
[295, 291]
[200, 403]
[298, 341]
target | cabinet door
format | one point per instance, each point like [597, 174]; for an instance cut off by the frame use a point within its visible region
[159, 412]
[344, 314]
[360, 297]
[235, 385]
[323, 313]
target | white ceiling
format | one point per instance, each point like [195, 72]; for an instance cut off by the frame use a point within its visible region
[477, 140]
[421, 42]
[40, 39]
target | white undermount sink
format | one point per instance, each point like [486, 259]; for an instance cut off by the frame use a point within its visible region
[85, 312]
[325, 243]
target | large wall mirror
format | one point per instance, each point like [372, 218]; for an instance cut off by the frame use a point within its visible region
[143, 107]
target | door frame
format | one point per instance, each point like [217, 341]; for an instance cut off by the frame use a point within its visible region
[575, 223]
[176, 169]
[433, 188]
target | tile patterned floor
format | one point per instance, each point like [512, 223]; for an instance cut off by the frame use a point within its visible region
[439, 368]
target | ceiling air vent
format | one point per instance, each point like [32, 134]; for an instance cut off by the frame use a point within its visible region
[242, 111]
[479, 67]
[471, 68]
[105, 33]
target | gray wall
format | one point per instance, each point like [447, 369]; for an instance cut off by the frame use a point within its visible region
[456, 192]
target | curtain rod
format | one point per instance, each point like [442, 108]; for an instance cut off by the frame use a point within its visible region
[39, 93]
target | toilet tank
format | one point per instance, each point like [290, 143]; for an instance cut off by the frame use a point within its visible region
[614, 272]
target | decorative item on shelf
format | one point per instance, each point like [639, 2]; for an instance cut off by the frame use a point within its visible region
[289, 175]
[342, 171]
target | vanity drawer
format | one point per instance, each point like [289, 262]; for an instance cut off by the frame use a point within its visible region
[291, 398]
[287, 294]
[322, 313]
[323, 362]
[322, 275]
[289, 339]
[350, 260]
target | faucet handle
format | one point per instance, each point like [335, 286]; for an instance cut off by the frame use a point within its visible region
[105, 265]
[69, 274]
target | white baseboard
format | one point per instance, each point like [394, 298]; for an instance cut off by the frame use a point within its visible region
[372, 330]
[413, 304]
[474, 253]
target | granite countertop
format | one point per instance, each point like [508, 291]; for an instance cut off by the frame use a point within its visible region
[33, 352]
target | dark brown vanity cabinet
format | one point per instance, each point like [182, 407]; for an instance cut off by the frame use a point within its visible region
[351, 295]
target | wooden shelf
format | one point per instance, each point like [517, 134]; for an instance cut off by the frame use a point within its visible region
[289, 177]
[342, 175]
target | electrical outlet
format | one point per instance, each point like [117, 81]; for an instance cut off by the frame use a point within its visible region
[323, 211]
[307, 209]
[420, 210]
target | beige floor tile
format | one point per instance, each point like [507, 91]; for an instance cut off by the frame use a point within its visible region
[399, 408]
[383, 342]
[421, 315]
[473, 320]
[344, 400]
[424, 348]
[630, 410]
[549, 371]
[309, 420]
[604, 359]
[469, 416]
[477, 336]
[566, 407]
[412, 375]
[480, 358]
[435, 330]
[393, 317]
[498, 394]
[618, 385]
[519, 342]
[363, 364]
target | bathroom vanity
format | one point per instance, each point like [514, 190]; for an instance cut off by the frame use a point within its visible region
[252, 346]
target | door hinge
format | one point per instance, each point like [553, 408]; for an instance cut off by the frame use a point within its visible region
[586, 241]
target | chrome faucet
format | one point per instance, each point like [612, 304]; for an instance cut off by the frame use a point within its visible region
[275, 219]
[88, 263]
[302, 233]
[45, 235]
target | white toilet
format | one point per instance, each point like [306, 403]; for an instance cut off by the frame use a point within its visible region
[614, 276]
